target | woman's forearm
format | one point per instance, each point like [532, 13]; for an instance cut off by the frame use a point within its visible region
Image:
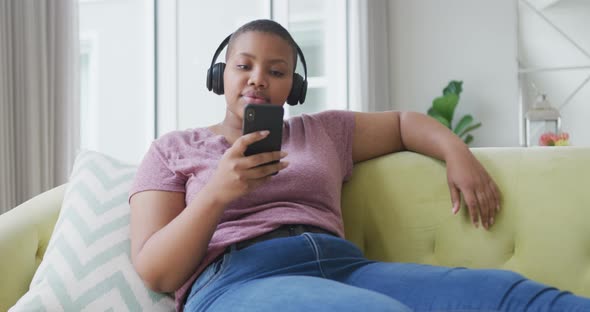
[423, 134]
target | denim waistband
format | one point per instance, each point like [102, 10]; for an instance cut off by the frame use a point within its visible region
[285, 230]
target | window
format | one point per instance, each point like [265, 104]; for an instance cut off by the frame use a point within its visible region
[117, 77]
[125, 44]
[88, 128]
[202, 25]
[319, 27]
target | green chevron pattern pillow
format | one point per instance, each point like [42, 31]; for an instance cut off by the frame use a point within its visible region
[87, 265]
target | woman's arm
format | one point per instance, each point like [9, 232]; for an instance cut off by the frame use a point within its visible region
[169, 240]
[381, 133]
[162, 231]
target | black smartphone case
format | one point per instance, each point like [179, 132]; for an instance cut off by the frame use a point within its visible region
[265, 117]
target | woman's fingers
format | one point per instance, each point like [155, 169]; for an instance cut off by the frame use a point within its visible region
[241, 144]
[483, 208]
[245, 173]
[491, 195]
[496, 195]
[491, 203]
[472, 204]
[455, 198]
[482, 203]
[263, 158]
[265, 170]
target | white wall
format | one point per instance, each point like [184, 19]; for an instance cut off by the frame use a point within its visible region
[433, 42]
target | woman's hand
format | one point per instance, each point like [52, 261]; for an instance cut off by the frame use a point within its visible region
[466, 175]
[237, 175]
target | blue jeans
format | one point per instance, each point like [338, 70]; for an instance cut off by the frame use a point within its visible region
[320, 272]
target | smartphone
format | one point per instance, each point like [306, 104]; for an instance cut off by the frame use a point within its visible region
[258, 117]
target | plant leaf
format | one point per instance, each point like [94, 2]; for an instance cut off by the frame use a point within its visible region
[470, 128]
[432, 112]
[436, 115]
[454, 87]
[468, 139]
[445, 105]
[443, 121]
[464, 122]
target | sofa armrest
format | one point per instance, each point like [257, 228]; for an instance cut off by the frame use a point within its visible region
[24, 233]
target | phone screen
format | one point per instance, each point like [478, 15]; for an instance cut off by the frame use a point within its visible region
[258, 117]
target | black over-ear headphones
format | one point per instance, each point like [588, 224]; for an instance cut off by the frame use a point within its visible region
[215, 77]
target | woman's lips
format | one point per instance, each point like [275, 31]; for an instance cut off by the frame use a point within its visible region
[255, 100]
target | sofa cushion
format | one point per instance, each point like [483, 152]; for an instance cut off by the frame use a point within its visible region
[87, 265]
[398, 208]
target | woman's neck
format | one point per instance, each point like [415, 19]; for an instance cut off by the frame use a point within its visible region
[230, 128]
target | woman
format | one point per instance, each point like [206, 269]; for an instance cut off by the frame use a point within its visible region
[227, 235]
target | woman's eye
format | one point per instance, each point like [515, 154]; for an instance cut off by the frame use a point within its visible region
[241, 66]
[277, 73]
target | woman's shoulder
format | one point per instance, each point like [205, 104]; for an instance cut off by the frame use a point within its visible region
[183, 136]
[330, 113]
[322, 118]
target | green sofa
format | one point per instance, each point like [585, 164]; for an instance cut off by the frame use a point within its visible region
[398, 208]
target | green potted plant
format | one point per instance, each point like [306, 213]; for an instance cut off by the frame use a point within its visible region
[443, 109]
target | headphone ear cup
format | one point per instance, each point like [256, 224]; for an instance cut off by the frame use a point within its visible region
[297, 88]
[303, 92]
[215, 78]
[209, 80]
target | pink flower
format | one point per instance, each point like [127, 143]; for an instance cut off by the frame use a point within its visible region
[546, 139]
[552, 139]
[564, 136]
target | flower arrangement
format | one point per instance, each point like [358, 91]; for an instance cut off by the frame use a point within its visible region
[553, 139]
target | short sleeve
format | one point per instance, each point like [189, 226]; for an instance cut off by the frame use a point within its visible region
[154, 173]
[339, 126]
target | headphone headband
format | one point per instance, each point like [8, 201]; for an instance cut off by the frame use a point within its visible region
[215, 75]
[302, 61]
[219, 49]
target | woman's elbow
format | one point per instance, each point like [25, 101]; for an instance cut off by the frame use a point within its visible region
[153, 278]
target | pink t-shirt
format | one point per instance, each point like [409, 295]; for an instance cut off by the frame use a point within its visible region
[306, 192]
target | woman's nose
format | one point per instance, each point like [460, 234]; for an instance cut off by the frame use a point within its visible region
[258, 79]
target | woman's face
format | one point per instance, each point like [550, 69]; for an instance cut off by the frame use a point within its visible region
[259, 70]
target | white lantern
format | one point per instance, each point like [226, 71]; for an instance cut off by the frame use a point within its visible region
[540, 119]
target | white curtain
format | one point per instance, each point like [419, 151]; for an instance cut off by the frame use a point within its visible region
[38, 96]
[369, 53]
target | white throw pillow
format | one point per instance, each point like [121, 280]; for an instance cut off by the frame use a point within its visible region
[87, 265]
